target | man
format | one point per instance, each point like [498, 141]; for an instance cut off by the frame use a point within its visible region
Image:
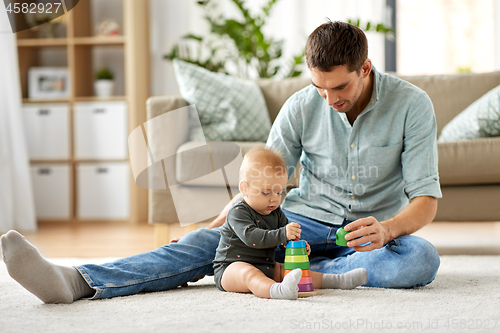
[367, 145]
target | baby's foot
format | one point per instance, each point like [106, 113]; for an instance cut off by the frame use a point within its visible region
[288, 289]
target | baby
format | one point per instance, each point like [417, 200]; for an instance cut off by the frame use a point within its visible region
[255, 225]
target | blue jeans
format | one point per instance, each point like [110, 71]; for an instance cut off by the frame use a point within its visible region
[405, 262]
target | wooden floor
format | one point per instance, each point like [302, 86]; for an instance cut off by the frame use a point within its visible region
[55, 240]
[476, 238]
[91, 240]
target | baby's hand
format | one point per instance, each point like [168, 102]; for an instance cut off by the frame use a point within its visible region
[293, 231]
[308, 248]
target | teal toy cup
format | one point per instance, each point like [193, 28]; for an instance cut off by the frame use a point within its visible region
[340, 237]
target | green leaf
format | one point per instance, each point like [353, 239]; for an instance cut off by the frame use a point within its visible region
[239, 41]
[194, 37]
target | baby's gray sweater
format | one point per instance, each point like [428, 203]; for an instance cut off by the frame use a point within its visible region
[249, 236]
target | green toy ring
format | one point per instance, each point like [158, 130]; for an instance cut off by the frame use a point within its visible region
[340, 237]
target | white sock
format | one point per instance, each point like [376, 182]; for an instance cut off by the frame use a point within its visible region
[349, 280]
[49, 282]
[288, 288]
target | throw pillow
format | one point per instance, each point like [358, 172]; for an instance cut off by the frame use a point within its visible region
[229, 108]
[480, 119]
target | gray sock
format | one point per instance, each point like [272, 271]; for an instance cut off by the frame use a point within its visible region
[49, 282]
[349, 280]
[288, 288]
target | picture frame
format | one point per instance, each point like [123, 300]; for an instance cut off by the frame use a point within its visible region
[48, 83]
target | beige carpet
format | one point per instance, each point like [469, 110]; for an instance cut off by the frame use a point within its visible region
[465, 297]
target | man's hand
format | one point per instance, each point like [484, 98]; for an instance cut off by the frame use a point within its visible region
[293, 231]
[368, 230]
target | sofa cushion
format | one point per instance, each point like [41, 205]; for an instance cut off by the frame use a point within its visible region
[480, 119]
[469, 203]
[193, 161]
[230, 109]
[451, 94]
[469, 162]
[277, 92]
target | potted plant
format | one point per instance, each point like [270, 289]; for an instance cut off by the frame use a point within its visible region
[243, 45]
[240, 43]
[104, 84]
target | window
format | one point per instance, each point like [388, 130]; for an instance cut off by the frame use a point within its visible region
[445, 36]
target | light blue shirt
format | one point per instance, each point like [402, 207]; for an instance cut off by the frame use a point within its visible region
[372, 168]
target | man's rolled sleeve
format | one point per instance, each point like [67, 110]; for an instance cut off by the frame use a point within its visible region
[420, 158]
[424, 187]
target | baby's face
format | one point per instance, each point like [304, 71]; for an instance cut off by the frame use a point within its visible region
[264, 190]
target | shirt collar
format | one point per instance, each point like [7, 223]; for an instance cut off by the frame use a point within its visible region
[375, 92]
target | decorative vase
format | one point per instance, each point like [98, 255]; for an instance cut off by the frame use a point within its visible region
[104, 88]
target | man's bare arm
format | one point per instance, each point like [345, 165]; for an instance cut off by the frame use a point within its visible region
[219, 220]
[420, 212]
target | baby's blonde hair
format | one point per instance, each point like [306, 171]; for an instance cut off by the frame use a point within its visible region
[261, 158]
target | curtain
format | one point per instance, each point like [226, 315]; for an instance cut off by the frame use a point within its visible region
[17, 209]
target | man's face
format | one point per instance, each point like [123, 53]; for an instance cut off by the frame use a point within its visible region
[340, 88]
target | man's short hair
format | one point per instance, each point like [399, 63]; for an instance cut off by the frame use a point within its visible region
[336, 44]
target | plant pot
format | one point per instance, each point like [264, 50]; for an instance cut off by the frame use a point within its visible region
[104, 88]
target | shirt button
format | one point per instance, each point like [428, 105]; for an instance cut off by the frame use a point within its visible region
[353, 197]
[353, 177]
[352, 145]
